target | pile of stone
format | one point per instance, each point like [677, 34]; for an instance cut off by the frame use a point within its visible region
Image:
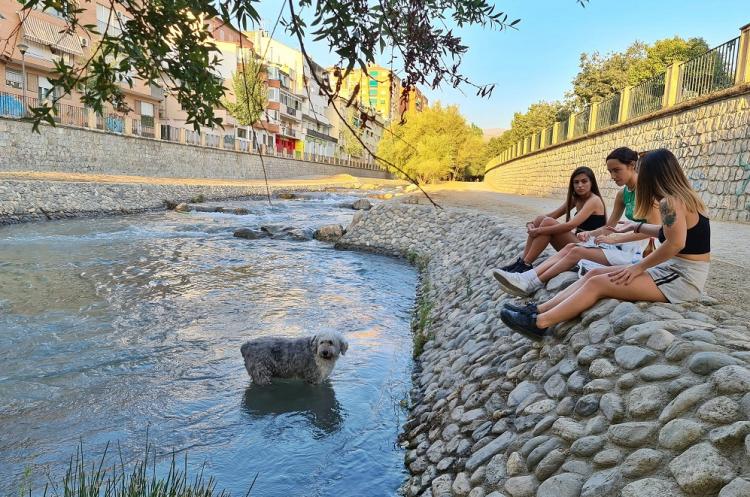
[631, 400]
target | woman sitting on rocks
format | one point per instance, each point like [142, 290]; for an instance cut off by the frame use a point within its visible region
[675, 272]
[583, 194]
[613, 249]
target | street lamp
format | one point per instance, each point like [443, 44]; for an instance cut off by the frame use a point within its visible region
[23, 48]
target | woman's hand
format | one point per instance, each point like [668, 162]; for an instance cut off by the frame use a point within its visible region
[584, 236]
[625, 226]
[612, 239]
[626, 275]
[534, 232]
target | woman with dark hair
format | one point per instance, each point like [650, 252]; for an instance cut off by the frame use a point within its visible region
[583, 194]
[609, 249]
[675, 272]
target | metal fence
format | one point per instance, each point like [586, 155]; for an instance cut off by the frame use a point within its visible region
[648, 96]
[192, 137]
[170, 133]
[15, 106]
[714, 70]
[581, 123]
[608, 113]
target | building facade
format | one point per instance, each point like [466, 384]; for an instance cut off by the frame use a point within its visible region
[36, 40]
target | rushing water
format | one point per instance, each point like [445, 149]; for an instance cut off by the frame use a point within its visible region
[112, 327]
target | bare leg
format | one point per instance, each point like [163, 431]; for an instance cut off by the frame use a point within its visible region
[595, 289]
[572, 258]
[561, 296]
[537, 222]
[540, 242]
[561, 240]
[544, 266]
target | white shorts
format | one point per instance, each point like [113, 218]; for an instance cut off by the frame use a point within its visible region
[680, 280]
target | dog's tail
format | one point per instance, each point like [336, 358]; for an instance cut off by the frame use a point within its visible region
[243, 349]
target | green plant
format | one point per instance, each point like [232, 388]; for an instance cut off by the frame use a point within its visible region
[141, 480]
[198, 199]
[421, 320]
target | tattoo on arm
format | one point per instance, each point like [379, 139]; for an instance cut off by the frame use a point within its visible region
[668, 215]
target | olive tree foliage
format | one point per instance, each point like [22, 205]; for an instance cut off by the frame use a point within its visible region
[435, 144]
[162, 42]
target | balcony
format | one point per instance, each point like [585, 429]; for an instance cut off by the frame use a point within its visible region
[288, 132]
[322, 136]
[290, 112]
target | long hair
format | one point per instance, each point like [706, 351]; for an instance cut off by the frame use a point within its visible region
[571, 191]
[660, 175]
[624, 155]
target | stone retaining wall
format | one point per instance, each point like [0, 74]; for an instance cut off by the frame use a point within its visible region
[23, 201]
[631, 400]
[77, 150]
[711, 140]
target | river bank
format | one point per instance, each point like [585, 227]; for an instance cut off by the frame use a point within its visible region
[632, 399]
[28, 197]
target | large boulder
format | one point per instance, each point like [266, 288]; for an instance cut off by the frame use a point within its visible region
[362, 205]
[250, 233]
[329, 233]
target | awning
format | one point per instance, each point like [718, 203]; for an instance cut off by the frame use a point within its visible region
[43, 32]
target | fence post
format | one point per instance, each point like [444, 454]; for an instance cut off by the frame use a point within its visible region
[157, 129]
[571, 126]
[181, 135]
[622, 115]
[556, 132]
[743, 60]
[91, 117]
[671, 85]
[593, 116]
[127, 125]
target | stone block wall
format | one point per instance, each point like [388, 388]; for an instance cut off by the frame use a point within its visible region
[77, 150]
[711, 139]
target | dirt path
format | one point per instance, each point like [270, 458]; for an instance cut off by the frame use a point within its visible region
[729, 279]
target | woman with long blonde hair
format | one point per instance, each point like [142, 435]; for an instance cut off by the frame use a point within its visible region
[675, 272]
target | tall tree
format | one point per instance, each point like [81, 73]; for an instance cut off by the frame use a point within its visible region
[250, 93]
[435, 144]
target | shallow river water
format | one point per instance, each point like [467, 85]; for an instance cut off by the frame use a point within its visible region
[111, 327]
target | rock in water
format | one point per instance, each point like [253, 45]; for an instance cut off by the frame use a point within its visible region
[362, 205]
[250, 234]
[329, 233]
[182, 207]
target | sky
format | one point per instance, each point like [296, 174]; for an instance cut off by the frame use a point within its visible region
[539, 60]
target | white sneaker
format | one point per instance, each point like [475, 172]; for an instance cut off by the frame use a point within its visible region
[513, 283]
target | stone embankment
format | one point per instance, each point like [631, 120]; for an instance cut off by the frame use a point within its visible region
[631, 400]
[24, 201]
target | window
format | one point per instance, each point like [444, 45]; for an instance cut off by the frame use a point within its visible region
[241, 133]
[147, 109]
[14, 78]
[273, 94]
[373, 82]
[46, 90]
[116, 21]
[373, 92]
[374, 74]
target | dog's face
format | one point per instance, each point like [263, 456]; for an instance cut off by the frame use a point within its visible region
[329, 345]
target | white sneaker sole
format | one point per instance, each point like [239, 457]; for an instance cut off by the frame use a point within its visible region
[508, 286]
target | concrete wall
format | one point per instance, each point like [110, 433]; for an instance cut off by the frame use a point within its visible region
[77, 150]
[710, 137]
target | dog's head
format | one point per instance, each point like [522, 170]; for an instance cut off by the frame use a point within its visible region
[329, 345]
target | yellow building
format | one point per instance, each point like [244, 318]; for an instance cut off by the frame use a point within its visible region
[379, 89]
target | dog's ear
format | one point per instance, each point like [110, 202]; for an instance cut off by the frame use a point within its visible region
[314, 343]
[343, 345]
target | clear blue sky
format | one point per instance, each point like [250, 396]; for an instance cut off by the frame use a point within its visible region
[539, 60]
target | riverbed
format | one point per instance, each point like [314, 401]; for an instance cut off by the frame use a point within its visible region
[114, 327]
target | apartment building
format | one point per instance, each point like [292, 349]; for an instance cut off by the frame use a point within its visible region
[35, 42]
[317, 128]
[348, 147]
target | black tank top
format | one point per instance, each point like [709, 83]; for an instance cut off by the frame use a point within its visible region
[697, 238]
[594, 221]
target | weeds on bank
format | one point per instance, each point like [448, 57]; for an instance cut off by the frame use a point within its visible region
[198, 199]
[422, 307]
[141, 480]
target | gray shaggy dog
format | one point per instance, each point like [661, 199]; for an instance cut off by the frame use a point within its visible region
[310, 358]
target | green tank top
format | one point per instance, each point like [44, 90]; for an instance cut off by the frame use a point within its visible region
[628, 198]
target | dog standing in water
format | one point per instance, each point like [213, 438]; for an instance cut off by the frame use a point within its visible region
[309, 358]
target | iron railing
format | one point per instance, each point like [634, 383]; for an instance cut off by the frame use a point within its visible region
[192, 137]
[608, 113]
[648, 96]
[170, 133]
[713, 71]
[111, 122]
[581, 123]
[229, 142]
[212, 140]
